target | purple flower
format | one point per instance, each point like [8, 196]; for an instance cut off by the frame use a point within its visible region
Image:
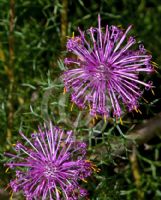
[50, 165]
[106, 70]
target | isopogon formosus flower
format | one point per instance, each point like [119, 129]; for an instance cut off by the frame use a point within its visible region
[50, 165]
[106, 70]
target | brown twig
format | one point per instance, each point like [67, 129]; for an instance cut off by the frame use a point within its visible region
[136, 173]
[64, 22]
[10, 72]
[11, 30]
[140, 135]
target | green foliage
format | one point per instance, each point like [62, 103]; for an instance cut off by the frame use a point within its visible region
[36, 93]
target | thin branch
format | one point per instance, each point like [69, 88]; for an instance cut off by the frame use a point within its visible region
[136, 173]
[64, 22]
[140, 135]
[10, 109]
[11, 31]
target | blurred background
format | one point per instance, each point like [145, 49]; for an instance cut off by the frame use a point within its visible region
[33, 35]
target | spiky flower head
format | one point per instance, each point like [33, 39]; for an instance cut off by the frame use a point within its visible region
[106, 70]
[50, 165]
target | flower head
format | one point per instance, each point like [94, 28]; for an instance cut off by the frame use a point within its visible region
[107, 68]
[50, 165]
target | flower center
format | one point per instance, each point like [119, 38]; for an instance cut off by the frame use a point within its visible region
[103, 72]
[50, 171]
